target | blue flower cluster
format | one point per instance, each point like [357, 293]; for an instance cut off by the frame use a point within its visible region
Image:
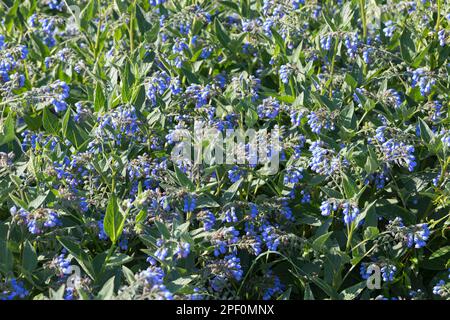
[400, 153]
[422, 79]
[95, 112]
[269, 108]
[13, 289]
[324, 161]
[37, 221]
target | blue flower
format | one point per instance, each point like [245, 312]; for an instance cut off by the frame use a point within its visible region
[350, 211]
[56, 5]
[183, 249]
[367, 55]
[423, 80]
[389, 29]
[285, 73]
[438, 287]
[296, 3]
[277, 286]
[190, 203]
[327, 207]
[388, 273]
[399, 153]
[230, 215]
[269, 108]
[208, 219]
[293, 175]
[13, 289]
[155, 3]
[235, 173]
[352, 44]
[233, 264]
[442, 37]
[418, 236]
[101, 233]
[325, 42]
[323, 161]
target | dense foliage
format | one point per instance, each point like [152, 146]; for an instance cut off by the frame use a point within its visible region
[93, 94]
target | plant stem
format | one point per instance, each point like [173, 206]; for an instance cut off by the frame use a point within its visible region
[131, 27]
[362, 8]
[332, 68]
[438, 21]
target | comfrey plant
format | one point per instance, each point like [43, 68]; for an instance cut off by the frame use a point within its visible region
[279, 149]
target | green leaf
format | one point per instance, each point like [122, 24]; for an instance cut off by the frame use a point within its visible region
[11, 16]
[278, 40]
[183, 179]
[50, 122]
[308, 295]
[251, 117]
[231, 192]
[122, 5]
[372, 163]
[245, 8]
[114, 220]
[206, 201]
[140, 217]
[425, 132]
[107, 291]
[319, 243]
[420, 56]
[18, 202]
[440, 252]
[162, 228]
[129, 275]
[328, 21]
[353, 291]
[331, 193]
[7, 129]
[128, 80]
[6, 258]
[99, 98]
[118, 260]
[152, 35]
[348, 118]
[39, 200]
[142, 22]
[87, 14]
[57, 294]
[351, 81]
[407, 47]
[29, 257]
[73, 132]
[231, 5]
[350, 187]
[222, 36]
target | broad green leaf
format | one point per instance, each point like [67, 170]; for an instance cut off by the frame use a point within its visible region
[221, 34]
[407, 47]
[114, 220]
[440, 252]
[107, 291]
[50, 122]
[7, 129]
[183, 179]
[99, 98]
[29, 257]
